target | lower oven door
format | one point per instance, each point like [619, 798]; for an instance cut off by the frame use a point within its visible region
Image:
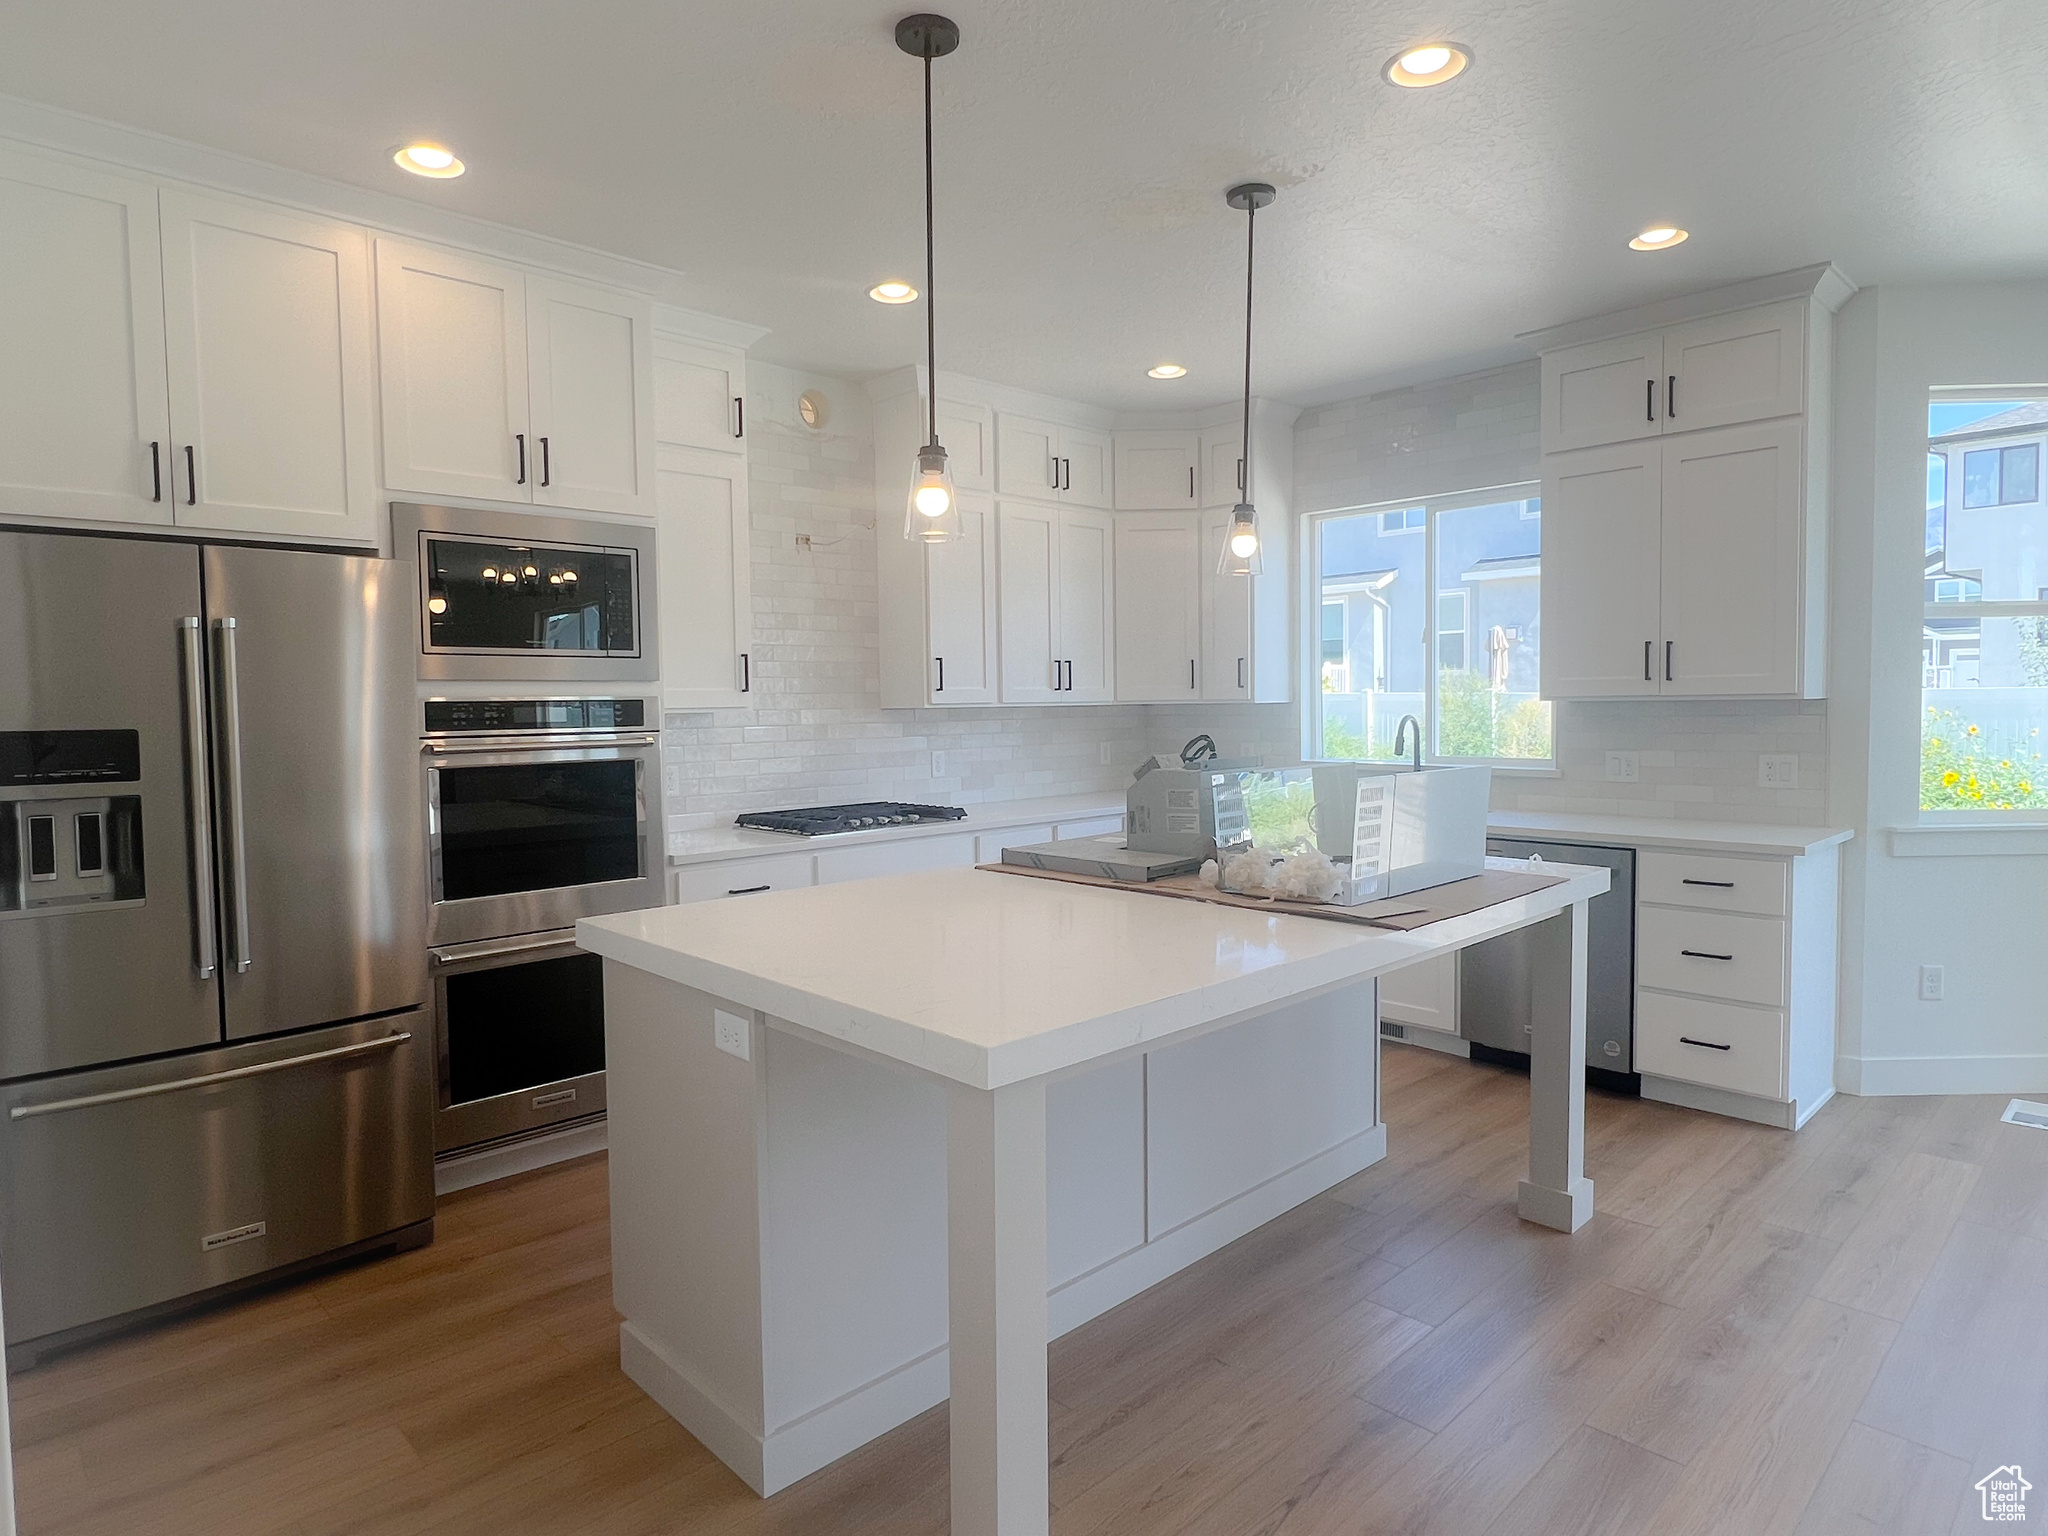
[519, 1028]
[528, 836]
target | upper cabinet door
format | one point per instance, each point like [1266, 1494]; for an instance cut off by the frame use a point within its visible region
[590, 359]
[267, 316]
[1087, 605]
[1086, 476]
[1158, 606]
[1731, 579]
[1603, 392]
[703, 573]
[1222, 466]
[451, 333]
[960, 588]
[699, 395]
[1748, 366]
[1027, 457]
[1027, 540]
[1602, 635]
[84, 412]
[968, 433]
[1226, 619]
[1156, 471]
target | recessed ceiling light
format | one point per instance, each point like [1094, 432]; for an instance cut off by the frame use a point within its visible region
[892, 293]
[1428, 64]
[428, 160]
[1658, 237]
[1167, 371]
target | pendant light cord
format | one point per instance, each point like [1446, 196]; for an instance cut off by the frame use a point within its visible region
[1251, 214]
[931, 330]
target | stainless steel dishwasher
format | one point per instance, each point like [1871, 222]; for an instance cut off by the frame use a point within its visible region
[1494, 977]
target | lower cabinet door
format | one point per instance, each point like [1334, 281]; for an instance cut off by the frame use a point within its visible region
[1715, 1044]
[131, 1186]
[745, 877]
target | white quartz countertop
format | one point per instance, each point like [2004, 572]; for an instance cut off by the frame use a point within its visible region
[706, 845]
[1669, 832]
[989, 979]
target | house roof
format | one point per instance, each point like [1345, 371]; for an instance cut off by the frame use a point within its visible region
[1502, 568]
[2033, 414]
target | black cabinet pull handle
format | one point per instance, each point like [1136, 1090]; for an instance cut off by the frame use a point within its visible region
[1191, 672]
[1723, 885]
[1649, 399]
[547, 463]
[1671, 397]
[191, 479]
[1701, 954]
[746, 673]
[1667, 659]
[1191, 482]
[156, 473]
[1240, 671]
[1704, 1044]
[942, 674]
[1052, 471]
[739, 417]
[520, 439]
[748, 890]
[1646, 662]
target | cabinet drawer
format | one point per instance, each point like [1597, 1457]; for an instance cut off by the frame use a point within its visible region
[898, 858]
[989, 846]
[1095, 826]
[1702, 880]
[776, 872]
[1718, 954]
[1683, 1037]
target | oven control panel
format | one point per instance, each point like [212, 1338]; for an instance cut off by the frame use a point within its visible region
[448, 716]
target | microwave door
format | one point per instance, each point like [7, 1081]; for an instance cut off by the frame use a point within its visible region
[322, 890]
[106, 925]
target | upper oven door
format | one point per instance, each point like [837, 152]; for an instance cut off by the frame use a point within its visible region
[526, 837]
[516, 597]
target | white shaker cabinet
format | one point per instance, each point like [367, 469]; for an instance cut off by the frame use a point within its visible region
[1602, 571]
[1158, 606]
[272, 376]
[1053, 461]
[452, 334]
[960, 597]
[968, 434]
[1055, 583]
[1602, 392]
[84, 404]
[704, 569]
[1223, 466]
[699, 395]
[590, 363]
[1157, 471]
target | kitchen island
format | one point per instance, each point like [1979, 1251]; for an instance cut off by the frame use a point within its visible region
[873, 1144]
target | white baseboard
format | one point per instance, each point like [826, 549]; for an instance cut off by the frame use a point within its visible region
[1888, 1076]
[1427, 1037]
[466, 1170]
[1721, 1101]
[769, 1463]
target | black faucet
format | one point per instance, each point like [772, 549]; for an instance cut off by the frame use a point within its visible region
[1402, 731]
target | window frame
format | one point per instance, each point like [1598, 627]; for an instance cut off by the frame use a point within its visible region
[1309, 642]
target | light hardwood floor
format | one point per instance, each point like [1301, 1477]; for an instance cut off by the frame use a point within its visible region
[1829, 1333]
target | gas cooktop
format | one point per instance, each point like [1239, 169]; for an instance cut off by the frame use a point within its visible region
[822, 820]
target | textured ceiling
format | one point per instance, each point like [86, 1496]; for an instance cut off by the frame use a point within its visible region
[770, 152]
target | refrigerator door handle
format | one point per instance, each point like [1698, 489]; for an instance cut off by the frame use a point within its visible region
[208, 1079]
[201, 821]
[231, 767]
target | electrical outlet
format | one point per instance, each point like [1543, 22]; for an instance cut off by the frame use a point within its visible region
[1777, 772]
[938, 765]
[801, 540]
[1108, 753]
[731, 1034]
[1931, 982]
[672, 778]
[1623, 767]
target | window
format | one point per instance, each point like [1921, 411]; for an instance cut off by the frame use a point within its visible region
[1984, 625]
[1444, 628]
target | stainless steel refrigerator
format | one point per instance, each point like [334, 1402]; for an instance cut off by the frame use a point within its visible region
[213, 1062]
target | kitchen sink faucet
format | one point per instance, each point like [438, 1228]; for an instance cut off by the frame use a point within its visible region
[1402, 731]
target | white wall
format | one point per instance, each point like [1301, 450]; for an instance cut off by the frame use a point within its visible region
[818, 734]
[1978, 906]
[1698, 758]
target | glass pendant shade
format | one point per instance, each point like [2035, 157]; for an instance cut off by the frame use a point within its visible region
[932, 513]
[1241, 555]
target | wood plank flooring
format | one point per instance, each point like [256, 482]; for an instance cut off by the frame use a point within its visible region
[1823, 1334]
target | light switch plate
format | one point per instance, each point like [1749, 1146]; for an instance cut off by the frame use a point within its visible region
[938, 765]
[1108, 753]
[1623, 767]
[731, 1034]
[1774, 772]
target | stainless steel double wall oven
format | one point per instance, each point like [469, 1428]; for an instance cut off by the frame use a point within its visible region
[539, 803]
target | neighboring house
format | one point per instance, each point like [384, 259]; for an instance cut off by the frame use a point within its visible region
[1987, 541]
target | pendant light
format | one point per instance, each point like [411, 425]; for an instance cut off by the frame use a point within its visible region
[1240, 554]
[932, 513]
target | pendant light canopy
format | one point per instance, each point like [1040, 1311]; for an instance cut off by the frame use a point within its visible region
[1240, 555]
[932, 513]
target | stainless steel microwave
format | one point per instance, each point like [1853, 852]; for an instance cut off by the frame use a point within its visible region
[518, 597]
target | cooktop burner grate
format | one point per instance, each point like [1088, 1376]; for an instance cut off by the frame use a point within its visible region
[822, 820]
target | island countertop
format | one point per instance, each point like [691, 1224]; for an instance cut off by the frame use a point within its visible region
[988, 979]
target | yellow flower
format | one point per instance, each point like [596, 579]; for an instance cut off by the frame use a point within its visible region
[1973, 730]
[2005, 762]
[1934, 741]
[1950, 777]
[2026, 786]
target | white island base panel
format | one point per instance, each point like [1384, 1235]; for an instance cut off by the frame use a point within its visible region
[784, 1278]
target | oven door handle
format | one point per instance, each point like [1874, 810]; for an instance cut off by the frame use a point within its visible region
[496, 949]
[534, 744]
